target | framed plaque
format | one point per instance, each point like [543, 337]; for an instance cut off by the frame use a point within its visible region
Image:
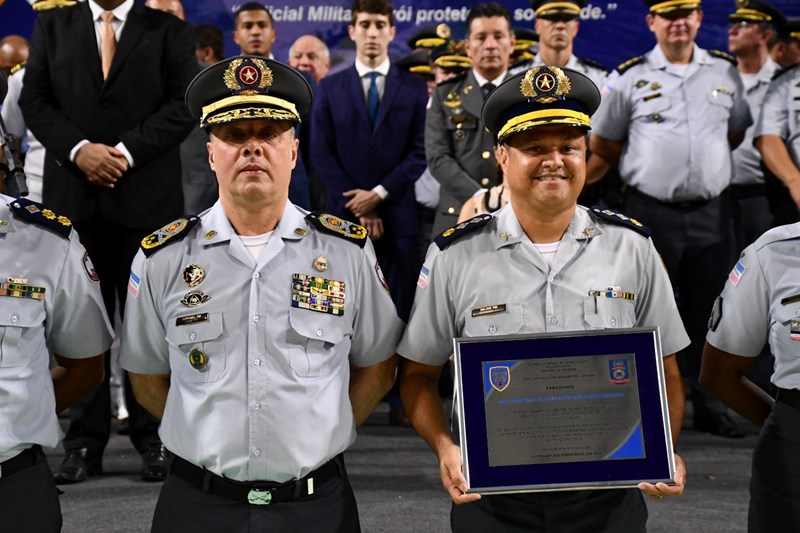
[559, 411]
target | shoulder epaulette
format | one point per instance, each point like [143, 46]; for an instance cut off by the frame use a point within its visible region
[17, 68]
[39, 214]
[167, 235]
[450, 235]
[777, 234]
[724, 55]
[339, 227]
[621, 220]
[593, 63]
[781, 72]
[625, 65]
[458, 77]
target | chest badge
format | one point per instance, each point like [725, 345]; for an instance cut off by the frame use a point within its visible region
[193, 275]
[197, 359]
[320, 264]
[195, 298]
[318, 294]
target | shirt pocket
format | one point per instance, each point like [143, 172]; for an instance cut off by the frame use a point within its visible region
[652, 108]
[206, 337]
[721, 104]
[600, 312]
[508, 322]
[19, 318]
[313, 339]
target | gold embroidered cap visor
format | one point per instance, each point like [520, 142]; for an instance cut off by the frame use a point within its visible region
[248, 87]
[757, 11]
[542, 96]
[45, 5]
[659, 7]
[549, 8]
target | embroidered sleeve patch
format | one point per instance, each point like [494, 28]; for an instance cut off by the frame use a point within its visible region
[736, 274]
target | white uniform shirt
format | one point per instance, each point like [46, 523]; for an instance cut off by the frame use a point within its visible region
[70, 320]
[15, 124]
[761, 303]
[498, 265]
[272, 402]
[674, 127]
[780, 112]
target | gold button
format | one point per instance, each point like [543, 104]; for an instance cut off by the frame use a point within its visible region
[486, 154]
[485, 182]
[451, 210]
[459, 125]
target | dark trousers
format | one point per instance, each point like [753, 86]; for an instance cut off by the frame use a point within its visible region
[29, 501]
[696, 243]
[398, 259]
[111, 249]
[182, 507]
[775, 480]
[589, 511]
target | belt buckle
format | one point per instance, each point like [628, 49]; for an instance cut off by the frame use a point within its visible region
[259, 497]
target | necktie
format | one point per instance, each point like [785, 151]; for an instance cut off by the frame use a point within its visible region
[372, 97]
[108, 41]
[487, 89]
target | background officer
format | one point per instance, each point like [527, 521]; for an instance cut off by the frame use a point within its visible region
[760, 303]
[49, 298]
[457, 146]
[777, 137]
[545, 245]
[670, 119]
[261, 336]
[557, 25]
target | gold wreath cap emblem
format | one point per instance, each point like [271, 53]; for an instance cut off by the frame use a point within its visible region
[443, 31]
[248, 76]
[545, 84]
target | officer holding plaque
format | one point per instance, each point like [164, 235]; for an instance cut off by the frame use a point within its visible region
[259, 334]
[540, 264]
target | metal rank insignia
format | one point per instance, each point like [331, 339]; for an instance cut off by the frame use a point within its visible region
[248, 76]
[193, 275]
[321, 264]
[318, 294]
[197, 359]
[19, 288]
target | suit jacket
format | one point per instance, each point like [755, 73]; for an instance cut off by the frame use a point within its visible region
[65, 100]
[459, 150]
[348, 154]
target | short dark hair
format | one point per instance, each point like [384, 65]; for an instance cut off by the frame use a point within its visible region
[373, 7]
[209, 35]
[491, 9]
[251, 6]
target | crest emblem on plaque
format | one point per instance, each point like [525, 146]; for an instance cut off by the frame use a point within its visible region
[618, 371]
[499, 377]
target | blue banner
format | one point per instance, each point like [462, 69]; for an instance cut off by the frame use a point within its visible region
[610, 32]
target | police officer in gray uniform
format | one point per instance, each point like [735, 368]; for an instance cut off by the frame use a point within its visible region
[777, 137]
[536, 266]
[557, 25]
[761, 303]
[458, 148]
[754, 25]
[259, 334]
[49, 300]
[670, 118]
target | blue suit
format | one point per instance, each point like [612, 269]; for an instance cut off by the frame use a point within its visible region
[348, 154]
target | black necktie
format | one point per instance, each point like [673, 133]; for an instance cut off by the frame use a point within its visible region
[487, 89]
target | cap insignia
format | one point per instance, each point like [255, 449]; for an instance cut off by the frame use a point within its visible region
[545, 84]
[443, 31]
[248, 76]
[741, 4]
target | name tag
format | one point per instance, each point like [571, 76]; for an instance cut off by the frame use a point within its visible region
[489, 310]
[191, 319]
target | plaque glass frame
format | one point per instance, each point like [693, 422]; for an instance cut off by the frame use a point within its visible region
[485, 372]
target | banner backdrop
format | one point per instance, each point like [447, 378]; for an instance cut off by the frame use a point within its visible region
[610, 32]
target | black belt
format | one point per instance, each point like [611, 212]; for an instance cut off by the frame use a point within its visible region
[683, 204]
[790, 397]
[25, 459]
[749, 191]
[256, 492]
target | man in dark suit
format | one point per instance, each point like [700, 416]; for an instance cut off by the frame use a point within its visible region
[103, 92]
[367, 146]
[460, 151]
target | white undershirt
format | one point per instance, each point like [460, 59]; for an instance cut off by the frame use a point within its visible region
[255, 244]
[749, 80]
[548, 251]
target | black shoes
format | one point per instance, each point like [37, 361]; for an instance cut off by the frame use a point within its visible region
[155, 462]
[720, 425]
[77, 466]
